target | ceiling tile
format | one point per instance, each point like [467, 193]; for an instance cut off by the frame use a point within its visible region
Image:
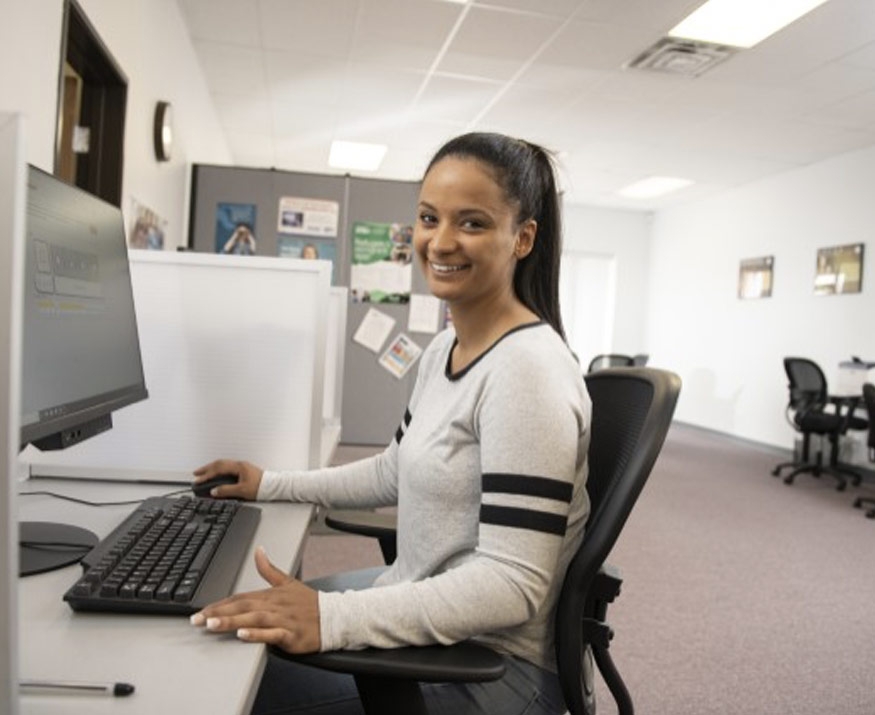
[232, 69]
[232, 21]
[305, 79]
[455, 99]
[555, 8]
[856, 112]
[322, 28]
[250, 115]
[477, 49]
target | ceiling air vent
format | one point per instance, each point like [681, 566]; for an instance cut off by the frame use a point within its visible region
[685, 57]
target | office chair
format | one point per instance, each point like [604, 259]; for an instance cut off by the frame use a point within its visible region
[599, 362]
[806, 412]
[869, 399]
[632, 411]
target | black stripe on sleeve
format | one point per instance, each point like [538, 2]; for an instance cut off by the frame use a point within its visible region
[528, 486]
[523, 519]
[403, 426]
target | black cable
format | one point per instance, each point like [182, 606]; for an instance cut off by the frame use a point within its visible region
[93, 503]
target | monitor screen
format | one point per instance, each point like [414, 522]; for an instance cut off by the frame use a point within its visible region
[80, 346]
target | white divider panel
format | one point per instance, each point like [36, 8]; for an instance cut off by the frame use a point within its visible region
[233, 353]
[332, 398]
[12, 203]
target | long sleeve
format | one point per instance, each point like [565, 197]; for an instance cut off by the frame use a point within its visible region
[492, 503]
[367, 483]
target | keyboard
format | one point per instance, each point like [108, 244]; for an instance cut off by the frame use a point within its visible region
[170, 555]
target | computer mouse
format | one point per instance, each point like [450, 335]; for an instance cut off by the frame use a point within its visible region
[202, 489]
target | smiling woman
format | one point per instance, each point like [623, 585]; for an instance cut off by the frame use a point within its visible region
[488, 237]
[488, 467]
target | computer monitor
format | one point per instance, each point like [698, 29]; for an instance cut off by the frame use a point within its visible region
[80, 346]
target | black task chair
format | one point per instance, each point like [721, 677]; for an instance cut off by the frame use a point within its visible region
[600, 362]
[807, 412]
[632, 411]
[869, 399]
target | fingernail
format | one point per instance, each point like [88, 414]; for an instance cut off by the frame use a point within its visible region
[214, 491]
[212, 623]
[197, 619]
[243, 634]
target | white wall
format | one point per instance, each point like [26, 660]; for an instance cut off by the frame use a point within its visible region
[624, 235]
[729, 352]
[149, 41]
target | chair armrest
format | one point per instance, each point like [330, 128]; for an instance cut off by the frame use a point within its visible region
[379, 525]
[462, 662]
[606, 584]
[364, 523]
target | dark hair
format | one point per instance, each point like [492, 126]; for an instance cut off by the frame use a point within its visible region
[524, 171]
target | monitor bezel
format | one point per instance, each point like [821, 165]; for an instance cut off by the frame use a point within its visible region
[79, 422]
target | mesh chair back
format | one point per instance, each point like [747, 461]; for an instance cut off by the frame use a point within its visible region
[600, 362]
[807, 384]
[869, 399]
[631, 414]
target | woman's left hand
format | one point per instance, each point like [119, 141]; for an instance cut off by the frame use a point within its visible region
[285, 615]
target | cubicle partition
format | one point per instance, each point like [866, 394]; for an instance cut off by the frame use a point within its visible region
[287, 210]
[234, 358]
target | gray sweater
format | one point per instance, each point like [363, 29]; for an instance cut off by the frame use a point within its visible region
[488, 470]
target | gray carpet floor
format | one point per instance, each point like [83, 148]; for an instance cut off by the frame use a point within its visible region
[741, 594]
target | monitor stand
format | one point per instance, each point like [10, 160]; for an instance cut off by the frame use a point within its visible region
[46, 546]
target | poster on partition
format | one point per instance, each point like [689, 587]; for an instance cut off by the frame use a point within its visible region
[382, 262]
[309, 248]
[308, 217]
[235, 229]
[755, 277]
[400, 356]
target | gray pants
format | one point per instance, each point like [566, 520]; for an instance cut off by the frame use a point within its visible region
[293, 688]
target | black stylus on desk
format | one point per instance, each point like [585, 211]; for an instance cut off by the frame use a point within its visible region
[71, 686]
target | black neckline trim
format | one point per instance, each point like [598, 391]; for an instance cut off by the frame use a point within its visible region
[465, 370]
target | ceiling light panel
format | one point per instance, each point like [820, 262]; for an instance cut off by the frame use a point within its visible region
[741, 23]
[356, 156]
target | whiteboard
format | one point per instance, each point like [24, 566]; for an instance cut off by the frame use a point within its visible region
[233, 354]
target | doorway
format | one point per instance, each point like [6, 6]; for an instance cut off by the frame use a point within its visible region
[92, 97]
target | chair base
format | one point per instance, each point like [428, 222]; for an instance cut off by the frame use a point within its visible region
[860, 502]
[840, 472]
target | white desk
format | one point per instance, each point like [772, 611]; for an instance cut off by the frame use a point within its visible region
[175, 667]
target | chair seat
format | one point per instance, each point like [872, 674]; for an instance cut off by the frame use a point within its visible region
[819, 422]
[858, 423]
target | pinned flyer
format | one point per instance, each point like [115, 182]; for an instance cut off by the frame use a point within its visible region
[374, 329]
[425, 314]
[400, 355]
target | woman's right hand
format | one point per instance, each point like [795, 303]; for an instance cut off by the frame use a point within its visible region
[248, 478]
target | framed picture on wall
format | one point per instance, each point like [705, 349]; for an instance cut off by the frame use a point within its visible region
[839, 269]
[755, 277]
